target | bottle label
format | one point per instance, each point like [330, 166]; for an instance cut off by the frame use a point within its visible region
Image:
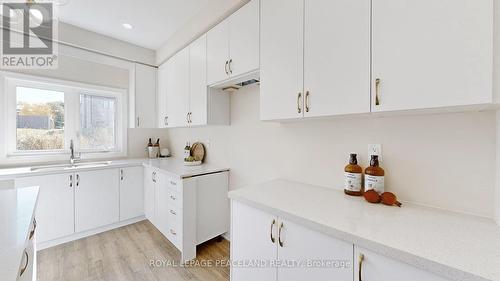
[374, 182]
[187, 153]
[352, 182]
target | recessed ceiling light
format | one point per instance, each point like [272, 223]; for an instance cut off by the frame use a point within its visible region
[127, 25]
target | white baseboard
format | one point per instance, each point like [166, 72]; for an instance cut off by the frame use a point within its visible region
[79, 235]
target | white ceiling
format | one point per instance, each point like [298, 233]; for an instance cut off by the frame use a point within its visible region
[154, 21]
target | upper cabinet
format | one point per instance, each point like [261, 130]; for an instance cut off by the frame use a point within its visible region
[430, 53]
[311, 64]
[145, 96]
[233, 45]
[326, 58]
[183, 95]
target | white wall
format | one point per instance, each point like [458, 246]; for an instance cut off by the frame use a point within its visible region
[445, 161]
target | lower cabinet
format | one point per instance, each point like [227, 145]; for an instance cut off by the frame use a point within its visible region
[96, 199]
[370, 266]
[131, 192]
[293, 252]
[55, 208]
[187, 211]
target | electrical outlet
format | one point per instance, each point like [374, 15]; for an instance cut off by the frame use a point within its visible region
[375, 149]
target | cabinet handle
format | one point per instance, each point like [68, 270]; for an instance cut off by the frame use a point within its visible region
[153, 176]
[138, 122]
[77, 180]
[279, 235]
[360, 264]
[173, 232]
[272, 227]
[70, 180]
[26, 265]
[187, 117]
[121, 174]
[190, 119]
[172, 197]
[173, 213]
[173, 183]
[165, 120]
[307, 101]
[32, 233]
[230, 69]
[225, 67]
[299, 109]
[377, 91]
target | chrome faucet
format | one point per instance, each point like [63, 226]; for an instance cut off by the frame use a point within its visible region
[72, 157]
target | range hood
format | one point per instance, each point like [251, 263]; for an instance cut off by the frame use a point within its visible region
[236, 83]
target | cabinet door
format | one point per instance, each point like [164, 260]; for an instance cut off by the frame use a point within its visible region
[337, 57]
[198, 90]
[149, 194]
[55, 207]
[178, 89]
[281, 59]
[131, 192]
[145, 96]
[251, 234]
[218, 53]
[162, 120]
[376, 267]
[244, 39]
[302, 244]
[161, 203]
[431, 54]
[96, 199]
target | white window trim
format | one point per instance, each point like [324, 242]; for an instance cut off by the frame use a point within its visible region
[12, 80]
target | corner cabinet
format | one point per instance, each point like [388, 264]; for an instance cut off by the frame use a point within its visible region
[233, 45]
[311, 64]
[259, 236]
[183, 96]
[145, 97]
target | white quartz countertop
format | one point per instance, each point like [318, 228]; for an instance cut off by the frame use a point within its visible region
[176, 167]
[17, 207]
[453, 245]
[172, 166]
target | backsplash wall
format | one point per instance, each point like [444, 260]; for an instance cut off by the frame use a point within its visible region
[444, 161]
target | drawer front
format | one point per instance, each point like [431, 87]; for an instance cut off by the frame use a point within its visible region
[174, 215]
[174, 199]
[174, 233]
[175, 184]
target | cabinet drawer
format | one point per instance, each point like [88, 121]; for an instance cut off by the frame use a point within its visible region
[175, 184]
[174, 233]
[174, 199]
[174, 215]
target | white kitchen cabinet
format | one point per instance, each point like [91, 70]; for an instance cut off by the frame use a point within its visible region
[429, 54]
[336, 57]
[257, 235]
[281, 59]
[253, 237]
[55, 207]
[184, 92]
[131, 192]
[161, 205]
[145, 96]
[161, 96]
[198, 93]
[96, 198]
[375, 267]
[233, 45]
[311, 64]
[177, 89]
[149, 194]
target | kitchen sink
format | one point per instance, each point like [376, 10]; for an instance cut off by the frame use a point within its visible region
[62, 167]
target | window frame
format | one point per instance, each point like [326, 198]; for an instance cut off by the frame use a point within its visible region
[72, 91]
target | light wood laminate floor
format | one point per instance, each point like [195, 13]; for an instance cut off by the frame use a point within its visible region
[124, 254]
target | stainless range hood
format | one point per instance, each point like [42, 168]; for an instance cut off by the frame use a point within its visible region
[239, 82]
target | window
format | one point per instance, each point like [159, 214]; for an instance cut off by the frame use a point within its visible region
[44, 115]
[39, 119]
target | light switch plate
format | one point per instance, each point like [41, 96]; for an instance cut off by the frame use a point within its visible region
[375, 149]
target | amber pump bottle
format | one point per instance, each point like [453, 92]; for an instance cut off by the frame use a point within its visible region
[374, 176]
[353, 172]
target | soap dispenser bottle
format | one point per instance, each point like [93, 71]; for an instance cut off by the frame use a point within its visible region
[352, 177]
